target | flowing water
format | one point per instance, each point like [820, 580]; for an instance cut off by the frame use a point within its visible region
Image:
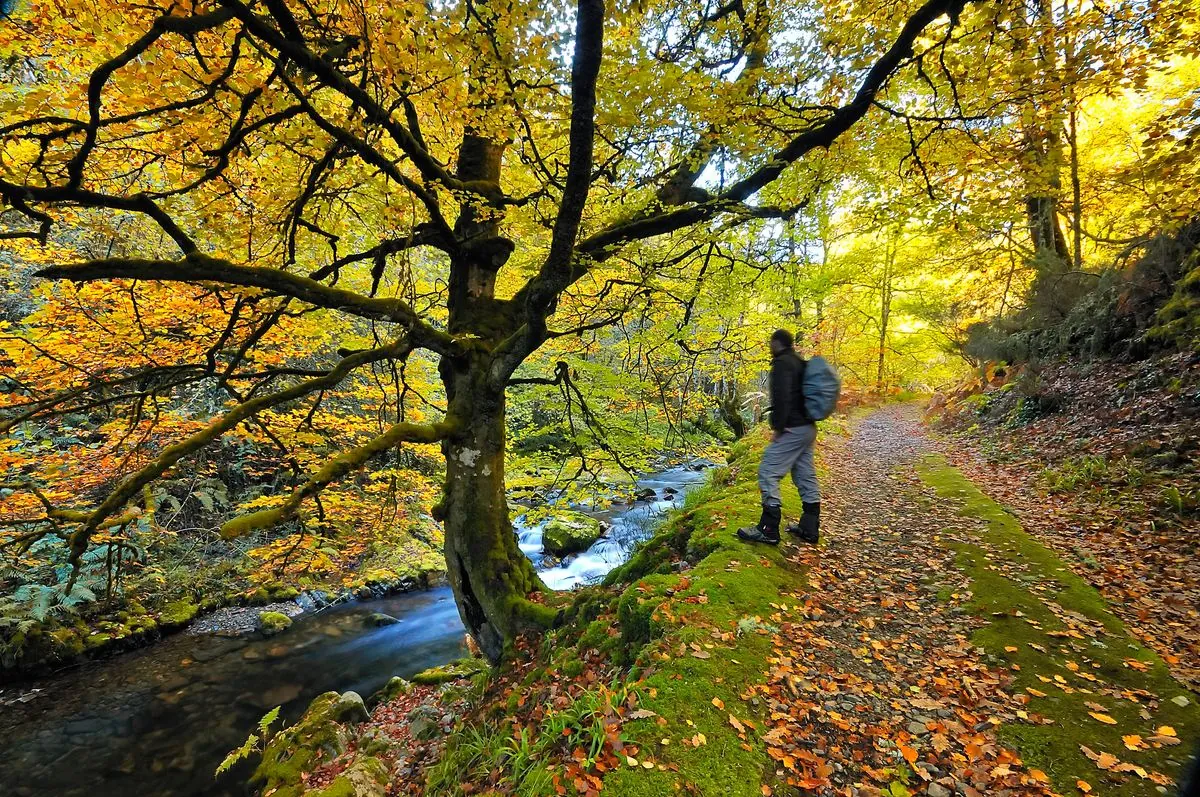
[629, 524]
[156, 722]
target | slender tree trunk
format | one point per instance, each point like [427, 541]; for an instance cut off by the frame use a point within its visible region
[1042, 139]
[1071, 69]
[490, 576]
[885, 308]
[1076, 201]
[1045, 232]
[884, 318]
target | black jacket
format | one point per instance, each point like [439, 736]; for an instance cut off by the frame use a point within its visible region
[787, 395]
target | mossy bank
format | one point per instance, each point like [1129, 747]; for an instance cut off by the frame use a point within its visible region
[1098, 689]
[636, 669]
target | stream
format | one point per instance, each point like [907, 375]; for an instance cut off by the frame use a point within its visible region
[157, 721]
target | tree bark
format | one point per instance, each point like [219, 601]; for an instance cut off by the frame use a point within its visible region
[1042, 140]
[1045, 232]
[885, 308]
[729, 404]
[491, 578]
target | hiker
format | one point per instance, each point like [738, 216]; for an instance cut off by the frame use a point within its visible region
[791, 449]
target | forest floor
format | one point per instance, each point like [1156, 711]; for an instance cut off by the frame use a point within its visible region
[929, 645]
[1109, 478]
[939, 646]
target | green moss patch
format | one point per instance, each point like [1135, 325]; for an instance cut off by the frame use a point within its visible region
[1178, 321]
[272, 623]
[698, 639]
[1090, 684]
[454, 671]
[570, 532]
[177, 614]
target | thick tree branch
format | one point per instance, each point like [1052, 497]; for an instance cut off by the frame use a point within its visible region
[65, 194]
[556, 271]
[197, 267]
[544, 289]
[680, 187]
[335, 469]
[606, 242]
[132, 484]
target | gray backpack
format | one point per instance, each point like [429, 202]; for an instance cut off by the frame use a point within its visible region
[821, 388]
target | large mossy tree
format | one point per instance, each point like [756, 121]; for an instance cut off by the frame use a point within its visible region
[311, 157]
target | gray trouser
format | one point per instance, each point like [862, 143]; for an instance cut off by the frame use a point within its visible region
[792, 451]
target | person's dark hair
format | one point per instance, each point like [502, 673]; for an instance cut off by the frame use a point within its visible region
[784, 337]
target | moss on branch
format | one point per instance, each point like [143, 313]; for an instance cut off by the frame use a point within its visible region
[333, 470]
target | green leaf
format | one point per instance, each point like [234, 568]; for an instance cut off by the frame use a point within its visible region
[268, 718]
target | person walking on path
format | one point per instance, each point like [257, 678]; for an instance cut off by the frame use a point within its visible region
[791, 450]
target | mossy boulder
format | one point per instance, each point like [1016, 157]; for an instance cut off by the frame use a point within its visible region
[321, 735]
[272, 623]
[365, 777]
[177, 614]
[280, 592]
[272, 592]
[424, 723]
[570, 532]
[378, 619]
[454, 671]
[393, 689]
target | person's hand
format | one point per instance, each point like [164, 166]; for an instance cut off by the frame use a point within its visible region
[775, 436]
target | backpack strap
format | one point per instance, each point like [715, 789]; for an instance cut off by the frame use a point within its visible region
[803, 370]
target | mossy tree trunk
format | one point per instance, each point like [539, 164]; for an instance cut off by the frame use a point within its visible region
[489, 574]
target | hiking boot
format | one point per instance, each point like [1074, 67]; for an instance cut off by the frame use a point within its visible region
[767, 529]
[809, 527]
